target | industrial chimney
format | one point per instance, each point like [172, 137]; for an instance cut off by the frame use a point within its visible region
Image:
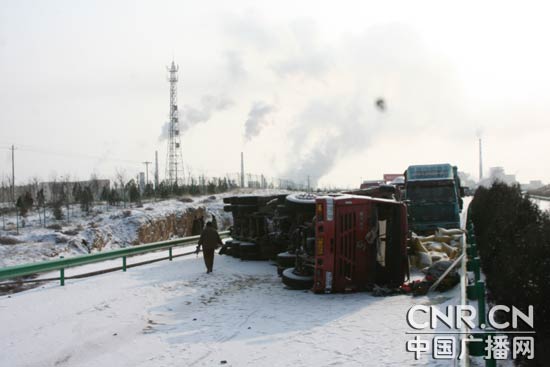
[242, 169]
[480, 162]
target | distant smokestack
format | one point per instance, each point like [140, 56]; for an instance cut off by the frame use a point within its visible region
[480, 162]
[242, 169]
[156, 169]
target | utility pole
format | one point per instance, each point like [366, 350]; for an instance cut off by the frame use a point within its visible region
[146, 163]
[13, 174]
[13, 186]
[308, 183]
[156, 169]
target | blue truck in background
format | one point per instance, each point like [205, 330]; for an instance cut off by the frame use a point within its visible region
[434, 197]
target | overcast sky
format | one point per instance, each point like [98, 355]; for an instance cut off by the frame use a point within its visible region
[293, 84]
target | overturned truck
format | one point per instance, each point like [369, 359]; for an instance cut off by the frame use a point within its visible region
[359, 242]
[333, 243]
[265, 226]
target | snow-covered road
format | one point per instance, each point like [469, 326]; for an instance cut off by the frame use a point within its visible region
[172, 313]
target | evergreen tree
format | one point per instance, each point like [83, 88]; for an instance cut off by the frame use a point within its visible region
[40, 198]
[114, 197]
[77, 190]
[133, 191]
[56, 210]
[105, 192]
[163, 190]
[148, 191]
[86, 199]
[24, 203]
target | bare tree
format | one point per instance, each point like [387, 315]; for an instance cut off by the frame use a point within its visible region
[12, 193]
[3, 193]
[53, 187]
[35, 186]
[94, 184]
[120, 177]
[57, 195]
[189, 173]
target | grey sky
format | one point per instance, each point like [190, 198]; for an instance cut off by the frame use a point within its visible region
[83, 86]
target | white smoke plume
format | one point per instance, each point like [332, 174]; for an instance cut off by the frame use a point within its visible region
[257, 119]
[190, 116]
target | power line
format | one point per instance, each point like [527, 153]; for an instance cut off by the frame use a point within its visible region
[28, 148]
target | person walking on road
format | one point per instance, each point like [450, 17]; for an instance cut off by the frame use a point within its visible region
[210, 239]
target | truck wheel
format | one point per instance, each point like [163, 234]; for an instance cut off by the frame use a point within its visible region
[286, 260]
[234, 249]
[304, 199]
[295, 281]
[249, 251]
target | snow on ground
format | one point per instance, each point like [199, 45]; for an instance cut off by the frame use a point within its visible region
[117, 225]
[172, 313]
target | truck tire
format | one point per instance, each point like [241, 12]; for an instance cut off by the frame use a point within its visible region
[304, 199]
[295, 281]
[233, 250]
[249, 251]
[286, 260]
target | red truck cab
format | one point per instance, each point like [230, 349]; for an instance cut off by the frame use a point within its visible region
[360, 241]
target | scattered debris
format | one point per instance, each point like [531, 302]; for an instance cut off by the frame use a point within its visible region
[380, 104]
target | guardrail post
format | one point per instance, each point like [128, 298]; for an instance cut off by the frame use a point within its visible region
[491, 362]
[481, 302]
[473, 265]
[123, 263]
[170, 253]
[471, 250]
[61, 275]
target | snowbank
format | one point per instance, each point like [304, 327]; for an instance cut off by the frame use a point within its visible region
[106, 228]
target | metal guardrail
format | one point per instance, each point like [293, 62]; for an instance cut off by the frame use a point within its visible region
[538, 197]
[61, 264]
[465, 362]
[475, 291]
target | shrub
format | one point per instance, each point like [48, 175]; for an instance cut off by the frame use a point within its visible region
[4, 240]
[57, 211]
[513, 237]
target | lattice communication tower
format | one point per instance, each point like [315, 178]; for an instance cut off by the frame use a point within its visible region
[174, 158]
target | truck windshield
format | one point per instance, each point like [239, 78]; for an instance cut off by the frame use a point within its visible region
[431, 193]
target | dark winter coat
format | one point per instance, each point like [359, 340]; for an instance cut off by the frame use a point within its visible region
[210, 239]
